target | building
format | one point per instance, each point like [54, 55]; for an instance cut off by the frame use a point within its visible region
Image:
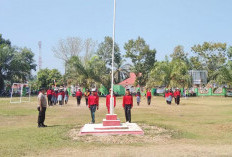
[129, 83]
[199, 77]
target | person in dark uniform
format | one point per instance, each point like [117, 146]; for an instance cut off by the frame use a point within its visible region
[78, 96]
[148, 97]
[42, 106]
[128, 105]
[93, 104]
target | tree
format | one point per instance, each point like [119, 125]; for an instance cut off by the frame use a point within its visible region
[212, 56]
[170, 74]
[46, 77]
[95, 71]
[179, 54]
[15, 64]
[142, 57]
[4, 41]
[121, 72]
[105, 51]
[160, 75]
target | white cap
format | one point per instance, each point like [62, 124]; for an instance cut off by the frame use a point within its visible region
[94, 90]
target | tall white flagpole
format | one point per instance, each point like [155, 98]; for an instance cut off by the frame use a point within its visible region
[112, 70]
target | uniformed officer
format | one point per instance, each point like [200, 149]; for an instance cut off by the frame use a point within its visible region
[42, 106]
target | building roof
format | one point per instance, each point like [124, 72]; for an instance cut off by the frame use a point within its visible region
[129, 81]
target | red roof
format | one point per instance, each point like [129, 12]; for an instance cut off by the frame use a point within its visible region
[129, 81]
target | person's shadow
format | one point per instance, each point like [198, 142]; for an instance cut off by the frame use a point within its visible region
[53, 126]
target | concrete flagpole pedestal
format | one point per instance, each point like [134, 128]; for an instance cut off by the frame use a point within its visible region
[111, 126]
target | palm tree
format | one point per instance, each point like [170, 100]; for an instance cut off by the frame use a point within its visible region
[121, 72]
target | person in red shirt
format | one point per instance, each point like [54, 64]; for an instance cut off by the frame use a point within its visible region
[93, 104]
[148, 97]
[78, 96]
[168, 96]
[108, 101]
[177, 96]
[55, 96]
[49, 95]
[128, 105]
[61, 96]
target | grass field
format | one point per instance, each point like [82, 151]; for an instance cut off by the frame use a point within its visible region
[200, 126]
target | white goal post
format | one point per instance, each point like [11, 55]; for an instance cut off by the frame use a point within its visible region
[20, 92]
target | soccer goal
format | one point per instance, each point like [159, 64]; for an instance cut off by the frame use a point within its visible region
[20, 92]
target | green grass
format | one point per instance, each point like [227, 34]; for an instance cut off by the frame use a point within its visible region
[203, 121]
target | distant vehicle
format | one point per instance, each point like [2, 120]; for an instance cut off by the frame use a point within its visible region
[229, 92]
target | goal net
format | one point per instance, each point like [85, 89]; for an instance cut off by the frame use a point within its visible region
[20, 92]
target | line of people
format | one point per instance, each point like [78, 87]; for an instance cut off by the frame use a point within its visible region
[169, 94]
[57, 96]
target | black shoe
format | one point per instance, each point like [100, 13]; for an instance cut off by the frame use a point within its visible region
[44, 125]
[40, 126]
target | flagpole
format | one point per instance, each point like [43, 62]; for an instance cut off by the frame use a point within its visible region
[112, 70]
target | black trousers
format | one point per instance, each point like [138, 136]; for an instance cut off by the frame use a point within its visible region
[128, 112]
[41, 117]
[49, 99]
[78, 100]
[93, 110]
[148, 100]
[86, 101]
[177, 100]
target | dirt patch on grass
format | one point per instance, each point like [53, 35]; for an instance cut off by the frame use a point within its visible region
[152, 134]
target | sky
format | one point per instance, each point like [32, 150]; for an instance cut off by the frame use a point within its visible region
[163, 24]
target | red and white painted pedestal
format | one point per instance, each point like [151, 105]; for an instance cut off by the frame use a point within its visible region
[111, 126]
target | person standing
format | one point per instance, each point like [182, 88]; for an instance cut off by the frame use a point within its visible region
[108, 101]
[60, 96]
[177, 96]
[55, 96]
[87, 93]
[138, 97]
[78, 96]
[148, 97]
[93, 104]
[128, 105]
[49, 95]
[42, 106]
[66, 96]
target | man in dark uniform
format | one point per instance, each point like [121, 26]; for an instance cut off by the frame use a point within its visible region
[42, 106]
[127, 105]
